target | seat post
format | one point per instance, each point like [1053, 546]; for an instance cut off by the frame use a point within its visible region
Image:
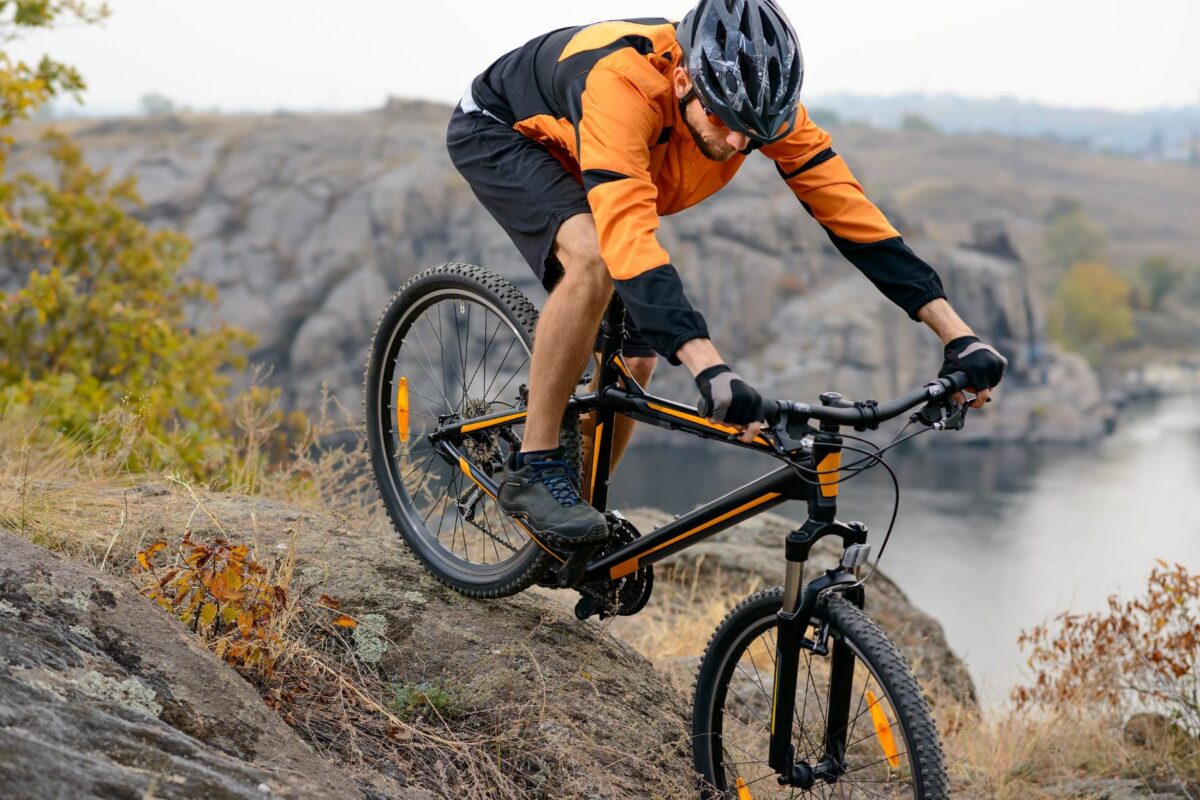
[613, 327]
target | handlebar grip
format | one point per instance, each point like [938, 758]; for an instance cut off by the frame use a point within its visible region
[955, 381]
[773, 410]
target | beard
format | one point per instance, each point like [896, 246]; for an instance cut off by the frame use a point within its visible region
[712, 149]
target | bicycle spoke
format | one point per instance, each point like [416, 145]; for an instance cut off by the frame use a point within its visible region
[487, 345]
[421, 344]
[510, 380]
[487, 390]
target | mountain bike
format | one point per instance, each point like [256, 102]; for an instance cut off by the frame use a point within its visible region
[799, 693]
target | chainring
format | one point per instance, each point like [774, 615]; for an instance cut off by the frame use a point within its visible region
[625, 596]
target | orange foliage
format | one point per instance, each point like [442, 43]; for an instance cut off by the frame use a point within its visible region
[228, 597]
[1139, 655]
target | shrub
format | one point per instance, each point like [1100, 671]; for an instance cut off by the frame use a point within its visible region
[1092, 310]
[236, 603]
[1138, 656]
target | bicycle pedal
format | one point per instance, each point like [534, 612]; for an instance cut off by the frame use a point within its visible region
[587, 606]
[571, 572]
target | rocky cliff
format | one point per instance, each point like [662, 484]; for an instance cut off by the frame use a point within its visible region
[306, 224]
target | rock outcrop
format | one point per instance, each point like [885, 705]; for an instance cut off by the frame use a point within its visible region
[102, 695]
[306, 223]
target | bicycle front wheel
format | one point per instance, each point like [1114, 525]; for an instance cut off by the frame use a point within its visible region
[891, 745]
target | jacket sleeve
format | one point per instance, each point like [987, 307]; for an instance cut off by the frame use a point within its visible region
[822, 182]
[615, 126]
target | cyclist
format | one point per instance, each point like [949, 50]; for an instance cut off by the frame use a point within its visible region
[578, 141]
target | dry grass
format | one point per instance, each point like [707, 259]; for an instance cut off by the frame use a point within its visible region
[673, 630]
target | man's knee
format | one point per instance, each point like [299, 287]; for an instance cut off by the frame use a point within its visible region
[642, 367]
[577, 248]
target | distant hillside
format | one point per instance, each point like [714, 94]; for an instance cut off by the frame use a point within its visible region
[1172, 134]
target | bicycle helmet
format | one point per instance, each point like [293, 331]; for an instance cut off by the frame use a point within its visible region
[745, 64]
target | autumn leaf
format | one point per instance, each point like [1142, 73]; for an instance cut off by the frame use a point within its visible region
[245, 623]
[329, 602]
[346, 622]
[207, 614]
[143, 560]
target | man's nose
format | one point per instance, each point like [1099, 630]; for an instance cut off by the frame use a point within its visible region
[738, 141]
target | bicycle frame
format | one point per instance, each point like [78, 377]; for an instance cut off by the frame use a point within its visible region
[619, 393]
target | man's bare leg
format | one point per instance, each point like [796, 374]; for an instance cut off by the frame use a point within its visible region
[566, 330]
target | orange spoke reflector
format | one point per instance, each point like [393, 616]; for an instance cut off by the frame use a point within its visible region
[883, 730]
[402, 408]
[743, 792]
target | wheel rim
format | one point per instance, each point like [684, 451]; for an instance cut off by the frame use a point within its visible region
[741, 726]
[458, 354]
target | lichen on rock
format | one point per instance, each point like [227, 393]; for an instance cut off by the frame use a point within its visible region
[130, 693]
[369, 644]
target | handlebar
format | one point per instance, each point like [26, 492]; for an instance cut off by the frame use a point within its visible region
[868, 414]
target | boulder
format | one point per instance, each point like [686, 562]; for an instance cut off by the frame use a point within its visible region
[103, 695]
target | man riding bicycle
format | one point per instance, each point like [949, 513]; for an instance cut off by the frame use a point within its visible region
[578, 141]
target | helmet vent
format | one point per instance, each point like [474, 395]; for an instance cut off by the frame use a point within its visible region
[774, 77]
[768, 30]
[750, 76]
[710, 75]
[744, 26]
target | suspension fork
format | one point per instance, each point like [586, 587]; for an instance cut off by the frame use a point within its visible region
[795, 615]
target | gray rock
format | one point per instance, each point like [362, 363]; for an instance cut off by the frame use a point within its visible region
[102, 695]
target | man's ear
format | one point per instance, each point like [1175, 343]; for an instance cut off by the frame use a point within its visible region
[681, 82]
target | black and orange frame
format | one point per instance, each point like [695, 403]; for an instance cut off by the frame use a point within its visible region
[619, 393]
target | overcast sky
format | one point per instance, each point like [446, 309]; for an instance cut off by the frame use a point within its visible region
[301, 54]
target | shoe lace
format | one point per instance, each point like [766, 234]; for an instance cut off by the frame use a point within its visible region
[556, 477]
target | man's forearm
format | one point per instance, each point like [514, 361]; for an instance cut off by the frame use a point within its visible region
[698, 355]
[943, 320]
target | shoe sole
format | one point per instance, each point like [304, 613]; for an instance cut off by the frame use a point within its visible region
[597, 534]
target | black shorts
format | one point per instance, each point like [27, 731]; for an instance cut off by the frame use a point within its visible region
[528, 191]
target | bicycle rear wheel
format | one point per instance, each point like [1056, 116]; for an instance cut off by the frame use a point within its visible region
[453, 344]
[892, 747]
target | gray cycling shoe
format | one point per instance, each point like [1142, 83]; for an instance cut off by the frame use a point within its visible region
[543, 494]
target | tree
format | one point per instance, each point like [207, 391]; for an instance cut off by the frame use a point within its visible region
[101, 324]
[825, 117]
[1158, 277]
[1092, 312]
[1071, 237]
[915, 123]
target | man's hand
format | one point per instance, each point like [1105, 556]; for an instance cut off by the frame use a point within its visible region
[725, 397]
[983, 365]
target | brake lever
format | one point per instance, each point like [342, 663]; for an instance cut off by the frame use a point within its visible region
[942, 415]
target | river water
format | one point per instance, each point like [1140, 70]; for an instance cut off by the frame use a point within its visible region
[992, 540]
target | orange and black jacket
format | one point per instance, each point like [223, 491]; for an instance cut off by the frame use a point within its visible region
[600, 99]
